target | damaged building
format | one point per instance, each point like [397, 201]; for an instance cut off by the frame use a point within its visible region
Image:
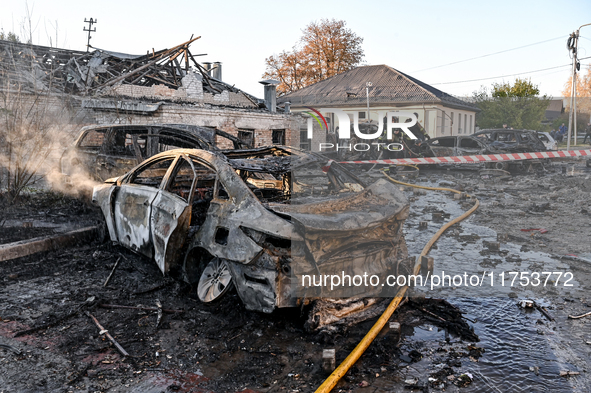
[159, 87]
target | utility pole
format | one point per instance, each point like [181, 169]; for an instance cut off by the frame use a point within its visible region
[90, 29]
[572, 46]
[367, 86]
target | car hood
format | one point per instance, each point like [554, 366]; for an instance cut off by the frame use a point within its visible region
[372, 216]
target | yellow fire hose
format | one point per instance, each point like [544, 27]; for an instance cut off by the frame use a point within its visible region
[342, 369]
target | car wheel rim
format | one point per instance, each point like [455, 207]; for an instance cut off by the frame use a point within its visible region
[214, 281]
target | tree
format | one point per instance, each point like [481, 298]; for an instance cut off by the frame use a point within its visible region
[10, 36]
[521, 88]
[518, 105]
[326, 48]
[583, 91]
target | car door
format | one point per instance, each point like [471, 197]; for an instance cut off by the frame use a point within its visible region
[123, 149]
[468, 145]
[171, 213]
[79, 161]
[133, 204]
[443, 146]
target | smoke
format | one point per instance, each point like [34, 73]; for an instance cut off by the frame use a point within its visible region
[77, 183]
[35, 130]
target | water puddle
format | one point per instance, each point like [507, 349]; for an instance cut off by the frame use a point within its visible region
[524, 352]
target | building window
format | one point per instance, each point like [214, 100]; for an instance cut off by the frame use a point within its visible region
[466, 129]
[451, 123]
[362, 115]
[304, 141]
[443, 122]
[470, 130]
[459, 123]
[279, 137]
[246, 136]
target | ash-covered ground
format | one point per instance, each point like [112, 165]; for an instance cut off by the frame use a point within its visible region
[49, 343]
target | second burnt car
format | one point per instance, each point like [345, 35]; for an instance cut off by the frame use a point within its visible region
[105, 151]
[511, 141]
[259, 219]
[493, 141]
[446, 146]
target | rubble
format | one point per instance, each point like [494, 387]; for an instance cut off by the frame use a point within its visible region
[225, 347]
[98, 72]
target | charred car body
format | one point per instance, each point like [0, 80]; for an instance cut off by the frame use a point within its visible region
[548, 140]
[496, 141]
[102, 152]
[257, 218]
[512, 141]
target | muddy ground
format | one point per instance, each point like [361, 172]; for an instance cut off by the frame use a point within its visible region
[48, 343]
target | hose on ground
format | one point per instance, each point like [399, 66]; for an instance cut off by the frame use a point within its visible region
[350, 360]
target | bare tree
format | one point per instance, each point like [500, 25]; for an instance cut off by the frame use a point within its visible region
[32, 128]
[326, 48]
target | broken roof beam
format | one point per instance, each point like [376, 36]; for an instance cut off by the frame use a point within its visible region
[153, 77]
[141, 68]
[203, 72]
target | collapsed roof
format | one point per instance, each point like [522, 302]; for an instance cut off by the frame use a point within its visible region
[40, 68]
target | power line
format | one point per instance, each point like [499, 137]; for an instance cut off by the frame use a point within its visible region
[505, 76]
[490, 54]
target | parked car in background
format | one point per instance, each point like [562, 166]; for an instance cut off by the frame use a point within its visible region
[105, 151]
[497, 141]
[466, 145]
[511, 141]
[549, 142]
[244, 217]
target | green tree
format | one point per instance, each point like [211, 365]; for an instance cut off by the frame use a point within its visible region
[10, 36]
[521, 88]
[518, 105]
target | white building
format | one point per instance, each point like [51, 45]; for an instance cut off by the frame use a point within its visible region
[439, 113]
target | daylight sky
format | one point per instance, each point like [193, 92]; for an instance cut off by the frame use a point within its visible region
[419, 38]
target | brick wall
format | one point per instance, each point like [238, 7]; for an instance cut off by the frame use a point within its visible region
[191, 91]
[230, 120]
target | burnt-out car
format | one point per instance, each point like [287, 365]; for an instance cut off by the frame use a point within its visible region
[512, 141]
[260, 219]
[102, 152]
[484, 142]
[446, 146]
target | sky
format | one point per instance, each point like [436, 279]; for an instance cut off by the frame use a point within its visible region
[420, 38]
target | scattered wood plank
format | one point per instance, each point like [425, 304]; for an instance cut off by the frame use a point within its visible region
[106, 333]
[579, 316]
[112, 271]
[168, 311]
[544, 311]
[52, 323]
[569, 373]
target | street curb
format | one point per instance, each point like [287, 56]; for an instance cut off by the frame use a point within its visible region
[46, 243]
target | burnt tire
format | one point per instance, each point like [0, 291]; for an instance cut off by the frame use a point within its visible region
[209, 276]
[215, 281]
[501, 165]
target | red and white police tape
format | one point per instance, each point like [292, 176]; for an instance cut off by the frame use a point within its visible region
[478, 158]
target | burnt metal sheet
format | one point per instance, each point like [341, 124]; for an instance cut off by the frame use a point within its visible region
[132, 211]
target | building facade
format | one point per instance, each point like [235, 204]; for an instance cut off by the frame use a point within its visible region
[382, 89]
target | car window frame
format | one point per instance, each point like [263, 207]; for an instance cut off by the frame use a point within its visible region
[84, 134]
[127, 180]
[165, 185]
